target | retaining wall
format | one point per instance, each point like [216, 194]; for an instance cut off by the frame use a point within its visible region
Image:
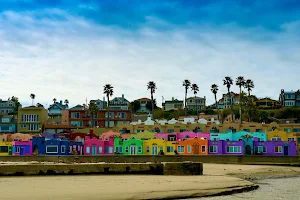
[222, 159]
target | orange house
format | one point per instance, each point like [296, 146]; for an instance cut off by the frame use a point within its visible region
[195, 146]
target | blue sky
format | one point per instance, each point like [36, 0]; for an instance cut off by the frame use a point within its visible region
[70, 49]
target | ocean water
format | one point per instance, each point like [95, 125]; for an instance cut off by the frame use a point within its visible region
[269, 189]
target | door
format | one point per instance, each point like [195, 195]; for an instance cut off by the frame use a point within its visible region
[22, 151]
[94, 150]
[195, 148]
[286, 150]
[154, 150]
[133, 150]
[248, 150]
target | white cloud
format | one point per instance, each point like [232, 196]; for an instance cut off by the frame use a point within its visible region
[73, 58]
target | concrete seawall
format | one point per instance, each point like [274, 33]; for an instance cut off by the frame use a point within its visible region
[102, 168]
[280, 160]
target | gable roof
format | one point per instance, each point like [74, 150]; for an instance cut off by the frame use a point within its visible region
[144, 99]
[78, 107]
[58, 105]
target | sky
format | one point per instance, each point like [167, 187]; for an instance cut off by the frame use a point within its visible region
[69, 49]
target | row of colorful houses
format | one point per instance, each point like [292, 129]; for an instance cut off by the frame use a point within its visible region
[149, 143]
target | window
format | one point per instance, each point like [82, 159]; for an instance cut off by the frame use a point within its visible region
[33, 127]
[126, 149]
[170, 130]
[278, 149]
[63, 149]
[88, 150]
[182, 130]
[288, 130]
[4, 128]
[258, 130]
[3, 149]
[139, 149]
[119, 149]
[213, 149]
[110, 149]
[17, 149]
[75, 115]
[298, 140]
[261, 149]
[189, 149]
[23, 125]
[233, 149]
[203, 149]
[100, 149]
[51, 149]
[276, 139]
[147, 149]
[291, 139]
[30, 118]
[180, 149]
[297, 130]
[170, 149]
[161, 148]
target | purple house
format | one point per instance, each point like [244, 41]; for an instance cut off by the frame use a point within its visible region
[223, 147]
[275, 148]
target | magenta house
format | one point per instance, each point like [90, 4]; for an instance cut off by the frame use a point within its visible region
[275, 148]
[95, 147]
[223, 147]
[166, 136]
[188, 135]
[22, 148]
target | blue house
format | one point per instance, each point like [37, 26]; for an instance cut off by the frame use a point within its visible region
[55, 110]
[8, 124]
[52, 146]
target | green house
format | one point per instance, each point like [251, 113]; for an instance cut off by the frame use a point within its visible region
[129, 146]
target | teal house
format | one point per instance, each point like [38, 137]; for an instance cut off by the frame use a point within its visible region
[8, 124]
[221, 136]
[128, 146]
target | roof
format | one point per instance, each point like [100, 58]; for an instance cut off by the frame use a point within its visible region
[58, 105]
[144, 99]
[174, 101]
[263, 99]
[196, 97]
[78, 107]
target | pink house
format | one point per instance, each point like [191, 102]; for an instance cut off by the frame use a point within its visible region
[22, 148]
[166, 136]
[94, 146]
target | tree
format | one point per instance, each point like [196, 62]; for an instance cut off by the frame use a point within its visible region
[135, 105]
[152, 87]
[32, 96]
[149, 104]
[249, 85]
[17, 104]
[54, 100]
[240, 82]
[108, 90]
[186, 84]
[67, 102]
[92, 109]
[39, 105]
[225, 112]
[195, 89]
[214, 89]
[228, 82]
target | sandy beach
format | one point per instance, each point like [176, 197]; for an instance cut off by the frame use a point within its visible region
[217, 178]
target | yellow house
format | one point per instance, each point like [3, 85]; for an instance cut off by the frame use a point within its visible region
[155, 146]
[31, 119]
[5, 148]
[277, 135]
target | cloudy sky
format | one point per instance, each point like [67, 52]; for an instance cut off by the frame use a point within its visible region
[70, 49]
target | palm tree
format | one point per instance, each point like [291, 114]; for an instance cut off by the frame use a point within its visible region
[195, 89]
[67, 102]
[108, 90]
[93, 110]
[240, 81]
[151, 85]
[54, 100]
[186, 84]
[214, 90]
[228, 82]
[32, 96]
[249, 85]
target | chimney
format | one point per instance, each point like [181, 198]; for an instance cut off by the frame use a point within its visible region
[60, 102]
[103, 99]
[122, 97]
[172, 98]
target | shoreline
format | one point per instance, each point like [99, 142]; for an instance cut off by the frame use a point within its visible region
[217, 180]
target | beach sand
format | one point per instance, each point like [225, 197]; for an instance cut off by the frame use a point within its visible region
[217, 178]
